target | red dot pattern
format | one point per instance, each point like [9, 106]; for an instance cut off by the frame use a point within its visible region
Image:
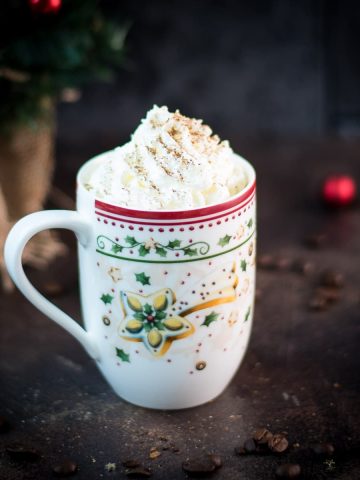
[192, 227]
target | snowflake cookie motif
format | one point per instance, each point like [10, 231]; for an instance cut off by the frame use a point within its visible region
[148, 320]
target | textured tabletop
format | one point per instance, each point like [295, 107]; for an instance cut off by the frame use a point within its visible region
[300, 374]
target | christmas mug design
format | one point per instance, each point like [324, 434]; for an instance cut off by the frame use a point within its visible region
[167, 296]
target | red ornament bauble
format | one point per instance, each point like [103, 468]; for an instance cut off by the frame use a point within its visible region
[45, 6]
[339, 190]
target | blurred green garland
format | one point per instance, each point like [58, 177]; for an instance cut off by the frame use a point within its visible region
[41, 54]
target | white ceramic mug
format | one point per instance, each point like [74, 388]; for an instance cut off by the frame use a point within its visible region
[167, 296]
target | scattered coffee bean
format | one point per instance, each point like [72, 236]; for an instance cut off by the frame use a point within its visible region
[4, 425]
[262, 436]
[22, 453]
[199, 466]
[315, 240]
[139, 472]
[65, 469]
[250, 445]
[266, 262]
[318, 303]
[154, 453]
[330, 294]
[303, 267]
[131, 463]
[323, 449]
[288, 470]
[333, 279]
[278, 443]
[216, 459]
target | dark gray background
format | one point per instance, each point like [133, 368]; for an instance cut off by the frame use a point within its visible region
[261, 67]
[278, 78]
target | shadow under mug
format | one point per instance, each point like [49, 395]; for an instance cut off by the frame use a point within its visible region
[167, 296]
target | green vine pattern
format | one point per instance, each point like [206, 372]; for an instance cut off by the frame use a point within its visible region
[144, 248]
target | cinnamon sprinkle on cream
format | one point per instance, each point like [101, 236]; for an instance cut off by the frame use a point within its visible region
[171, 162]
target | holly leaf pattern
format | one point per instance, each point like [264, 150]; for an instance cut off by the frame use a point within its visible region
[147, 327]
[210, 318]
[250, 223]
[142, 278]
[243, 265]
[131, 241]
[143, 251]
[161, 251]
[124, 357]
[224, 240]
[190, 251]
[159, 325]
[247, 315]
[116, 248]
[147, 309]
[106, 298]
[174, 244]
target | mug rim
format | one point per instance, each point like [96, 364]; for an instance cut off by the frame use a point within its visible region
[234, 201]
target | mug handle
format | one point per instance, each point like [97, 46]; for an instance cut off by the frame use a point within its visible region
[19, 235]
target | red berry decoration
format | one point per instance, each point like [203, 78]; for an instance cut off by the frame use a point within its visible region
[339, 190]
[45, 6]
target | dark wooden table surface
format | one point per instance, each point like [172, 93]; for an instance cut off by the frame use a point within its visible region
[300, 374]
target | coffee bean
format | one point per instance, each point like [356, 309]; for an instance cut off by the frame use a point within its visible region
[333, 279]
[262, 436]
[330, 294]
[154, 453]
[318, 303]
[216, 459]
[303, 267]
[22, 453]
[323, 449]
[199, 466]
[67, 468]
[131, 463]
[288, 470]
[278, 443]
[4, 425]
[266, 262]
[250, 445]
[139, 472]
[315, 240]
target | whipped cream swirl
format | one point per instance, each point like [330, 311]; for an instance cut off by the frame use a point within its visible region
[172, 162]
